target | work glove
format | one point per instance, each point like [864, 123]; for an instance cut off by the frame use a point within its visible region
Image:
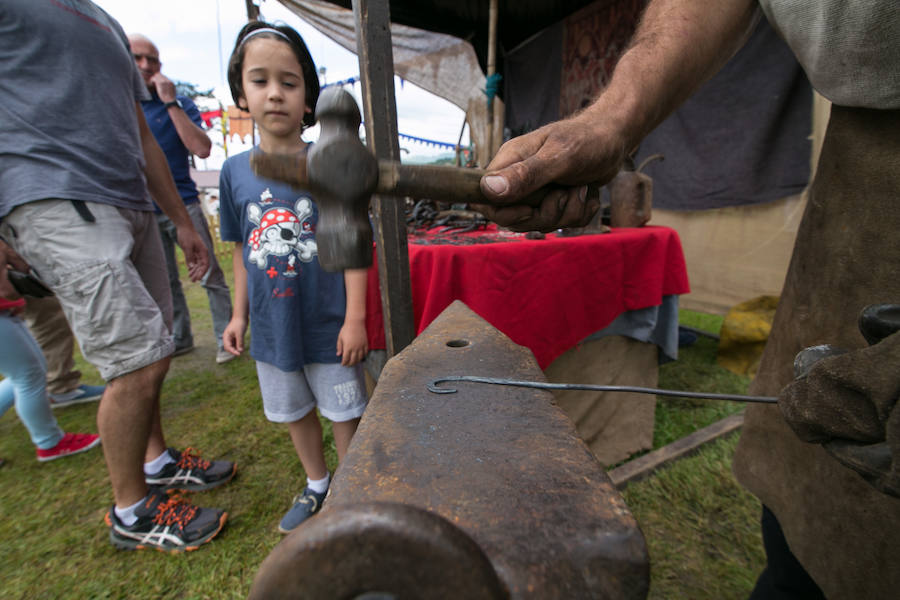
[847, 401]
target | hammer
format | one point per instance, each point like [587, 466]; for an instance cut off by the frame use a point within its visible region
[342, 174]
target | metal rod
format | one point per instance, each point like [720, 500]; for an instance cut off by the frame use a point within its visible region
[433, 387]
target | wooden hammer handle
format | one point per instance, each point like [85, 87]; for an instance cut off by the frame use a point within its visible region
[435, 182]
[287, 168]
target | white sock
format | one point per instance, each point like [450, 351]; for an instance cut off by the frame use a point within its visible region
[319, 486]
[126, 515]
[158, 463]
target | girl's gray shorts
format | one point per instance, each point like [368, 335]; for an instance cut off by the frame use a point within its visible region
[338, 391]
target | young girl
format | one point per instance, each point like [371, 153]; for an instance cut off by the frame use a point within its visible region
[23, 366]
[308, 325]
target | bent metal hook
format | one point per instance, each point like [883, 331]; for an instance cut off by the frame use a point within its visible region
[434, 383]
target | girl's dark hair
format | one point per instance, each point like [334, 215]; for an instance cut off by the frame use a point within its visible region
[310, 75]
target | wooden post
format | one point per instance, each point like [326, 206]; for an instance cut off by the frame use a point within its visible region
[491, 69]
[459, 143]
[376, 72]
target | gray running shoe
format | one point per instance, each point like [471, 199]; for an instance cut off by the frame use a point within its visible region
[191, 473]
[166, 523]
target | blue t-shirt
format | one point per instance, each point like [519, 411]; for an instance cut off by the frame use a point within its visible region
[296, 308]
[176, 152]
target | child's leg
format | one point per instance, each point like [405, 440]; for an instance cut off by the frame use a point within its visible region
[307, 437]
[287, 398]
[22, 362]
[343, 433]
[341, 398]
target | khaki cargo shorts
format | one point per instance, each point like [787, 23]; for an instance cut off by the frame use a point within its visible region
[110, 277]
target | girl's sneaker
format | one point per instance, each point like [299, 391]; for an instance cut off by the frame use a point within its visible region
[71, 443]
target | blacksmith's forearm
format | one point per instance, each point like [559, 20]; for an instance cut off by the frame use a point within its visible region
[679, 44]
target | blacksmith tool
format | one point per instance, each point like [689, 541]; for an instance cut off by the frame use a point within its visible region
[433, 387]
[342, 174]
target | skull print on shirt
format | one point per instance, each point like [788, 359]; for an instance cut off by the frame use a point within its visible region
[281, 231]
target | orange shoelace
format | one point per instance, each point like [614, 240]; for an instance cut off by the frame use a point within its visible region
[175, 510]
[190, 459]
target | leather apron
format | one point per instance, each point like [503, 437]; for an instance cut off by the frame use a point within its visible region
[846, 256]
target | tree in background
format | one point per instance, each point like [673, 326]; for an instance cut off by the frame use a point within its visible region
[190, 90]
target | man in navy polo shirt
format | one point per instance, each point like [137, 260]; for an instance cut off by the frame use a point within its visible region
[175, 123]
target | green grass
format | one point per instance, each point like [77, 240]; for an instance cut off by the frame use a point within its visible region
[696, 370]
[701, 527]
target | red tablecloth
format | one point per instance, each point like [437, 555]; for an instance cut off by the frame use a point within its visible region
[545, 294]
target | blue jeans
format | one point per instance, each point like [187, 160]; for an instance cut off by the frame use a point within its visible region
[25, 384]
[213, 281]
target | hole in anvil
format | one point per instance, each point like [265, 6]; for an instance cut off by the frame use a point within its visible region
[458, 343]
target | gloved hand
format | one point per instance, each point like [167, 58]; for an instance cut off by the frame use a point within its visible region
[847, 401]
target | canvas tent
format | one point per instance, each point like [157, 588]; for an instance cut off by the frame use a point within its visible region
[441, 61]
[738, 152]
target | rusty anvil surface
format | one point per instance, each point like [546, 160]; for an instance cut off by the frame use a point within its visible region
[486, 493]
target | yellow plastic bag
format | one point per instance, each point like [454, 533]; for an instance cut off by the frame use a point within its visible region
[744, 333]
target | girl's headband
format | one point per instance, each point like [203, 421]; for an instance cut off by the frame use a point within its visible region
[264, 30]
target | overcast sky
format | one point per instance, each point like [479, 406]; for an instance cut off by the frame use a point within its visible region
[195, 38]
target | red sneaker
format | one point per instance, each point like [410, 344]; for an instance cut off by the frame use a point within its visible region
[71, 443]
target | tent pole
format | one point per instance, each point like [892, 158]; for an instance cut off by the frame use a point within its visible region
[491, 69]
[252, 10]
[459, 143]
[252, 15]
[376, 73]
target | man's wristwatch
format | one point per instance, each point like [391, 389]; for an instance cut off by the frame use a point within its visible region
[174, 103]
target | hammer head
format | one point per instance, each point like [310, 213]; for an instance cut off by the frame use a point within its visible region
[342, 174]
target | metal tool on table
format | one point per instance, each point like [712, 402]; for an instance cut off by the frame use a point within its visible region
[631, 195]
[342, 174]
